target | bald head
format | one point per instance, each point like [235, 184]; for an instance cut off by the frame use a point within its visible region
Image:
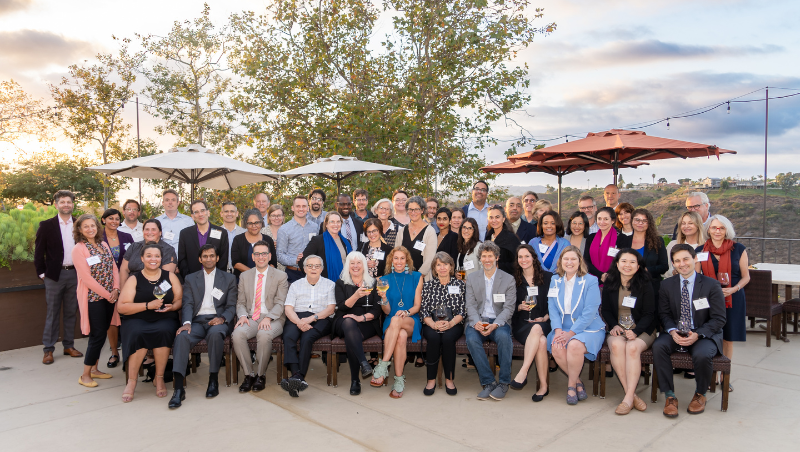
[611, 195]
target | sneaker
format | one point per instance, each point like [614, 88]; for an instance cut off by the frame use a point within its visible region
[487, 391]
[499, 391]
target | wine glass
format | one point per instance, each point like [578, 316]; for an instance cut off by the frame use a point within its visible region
[531, 301]
[684, 329]
[441, 314]
[626, 322]
[364, 285]
[382, 285]
[461, 273]
[724, 279]
[159, 293]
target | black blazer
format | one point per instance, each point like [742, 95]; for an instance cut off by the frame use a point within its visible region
[317, 246]
[194, 291]
[449, 245]
[343, 292]
[385, 247]
[189, 249]
[508, 243]
[520, 318]
[587, 257]
[48, 252]
[655, 261]
[240, 250]
[526, 231]
[356, 222]
[707, 322]
[643, 312]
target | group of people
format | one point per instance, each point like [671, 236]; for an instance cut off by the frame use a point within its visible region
[405, 269]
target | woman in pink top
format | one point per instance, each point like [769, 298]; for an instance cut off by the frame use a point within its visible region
[98, 290]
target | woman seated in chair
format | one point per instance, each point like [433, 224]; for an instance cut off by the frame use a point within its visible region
[629, 310]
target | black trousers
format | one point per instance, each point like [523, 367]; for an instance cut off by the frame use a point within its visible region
[297, 360]
[100, 313]
[444, 345]
[702, 351]
[293, 275]
[354, 333]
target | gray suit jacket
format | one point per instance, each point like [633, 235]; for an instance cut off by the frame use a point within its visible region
[275, 289]
[476, 294]
[194, 291]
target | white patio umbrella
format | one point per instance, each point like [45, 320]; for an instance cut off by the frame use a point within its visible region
[339, 168]
[193, 164]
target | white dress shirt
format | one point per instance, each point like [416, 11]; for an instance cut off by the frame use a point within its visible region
[305, 297]
[488, 305]
[568, 286]
[136, 232]
[67, 239]
[208, 299]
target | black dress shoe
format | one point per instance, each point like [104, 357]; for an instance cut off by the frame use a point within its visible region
[518, 386]
[429, 392]
[355, 387]
[449, 391]
[293, 385]
[260, 384]
[539, 398]
[366, 369]
[247, 384]
[213, 389]
[689, 376]
[177, 397]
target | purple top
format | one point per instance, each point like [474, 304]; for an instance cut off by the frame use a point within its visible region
[203, 238]
[125, 240]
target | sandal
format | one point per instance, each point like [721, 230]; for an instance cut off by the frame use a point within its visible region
[581, 390]
[160, 393]
[398, 387]
[113, 361]
[380, 371]
[128, 396]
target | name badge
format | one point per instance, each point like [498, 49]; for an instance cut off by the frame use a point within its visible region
[216, 234]
[165, 285]
[543, 248]
[613, 252]
[169, 235]
[499, 297]
[216, 293]
[311, 235]
[552, 293]
[364, 238]
[522, 242]
[629, 302]
[469, 265]
[700, 303]
[379, 255]
[93, 260]
[419, 246]
[702, 257]
[453, 290]
[533, 291]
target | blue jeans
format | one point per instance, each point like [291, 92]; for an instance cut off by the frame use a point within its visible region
[500, 336]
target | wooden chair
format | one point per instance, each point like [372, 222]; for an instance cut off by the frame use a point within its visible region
[321, 345]
[604, 357]
[684, 361]
[762, 302]
[202, 347]
[790, 307]
[252, 344]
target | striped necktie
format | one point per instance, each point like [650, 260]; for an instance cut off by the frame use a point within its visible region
[257, 304]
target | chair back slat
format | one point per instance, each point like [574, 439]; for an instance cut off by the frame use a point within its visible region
[758, 294]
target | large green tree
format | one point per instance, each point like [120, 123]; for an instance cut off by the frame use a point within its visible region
[38, 178]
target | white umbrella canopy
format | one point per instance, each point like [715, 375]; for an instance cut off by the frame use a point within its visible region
[193, 164]
[338, 168]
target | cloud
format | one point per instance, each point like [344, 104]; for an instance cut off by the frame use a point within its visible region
[9, 6]
[29, 49]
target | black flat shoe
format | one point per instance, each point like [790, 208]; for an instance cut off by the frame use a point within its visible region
[366, 369]
[552, 368]
[609, 374]
[419, 363]
[688, 376]
[539, 398]
[260, 384]
[429, 392]
[355, 387]
[113, 361]
[177, 397]
[213, 389]
[518, 386]
[676, 371]
[449, 391]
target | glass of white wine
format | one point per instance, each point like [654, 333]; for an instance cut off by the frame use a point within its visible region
[530, 300]
[159, 293]
[626, 322]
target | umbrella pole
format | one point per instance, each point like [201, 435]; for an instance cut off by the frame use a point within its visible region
[559, 192]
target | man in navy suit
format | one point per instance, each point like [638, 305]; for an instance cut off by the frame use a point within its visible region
[698, 300]
[194, 237]
[524, 230]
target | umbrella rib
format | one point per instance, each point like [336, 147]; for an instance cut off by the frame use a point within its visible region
[640, 155]
[213, 174]
[591, 157]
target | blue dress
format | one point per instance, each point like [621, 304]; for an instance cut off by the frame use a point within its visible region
[735, 329]
[408, 285]
[584, 318]
[549, 263]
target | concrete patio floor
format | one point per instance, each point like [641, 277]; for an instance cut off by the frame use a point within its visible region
[43, 407]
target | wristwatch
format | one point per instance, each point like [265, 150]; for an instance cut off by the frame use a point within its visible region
[316, 317]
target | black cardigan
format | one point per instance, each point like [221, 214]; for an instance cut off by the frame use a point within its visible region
[508, 243]
[521, 317]
[317, 246]
[449, 245]
[240, 248]
[643, 312]
[345, 291]
[386, 248]
[655, 261]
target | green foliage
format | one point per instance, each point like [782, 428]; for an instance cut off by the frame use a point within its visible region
[725, 185]
[629, 186]
[788, 181]
[662, 180]
[18, 229]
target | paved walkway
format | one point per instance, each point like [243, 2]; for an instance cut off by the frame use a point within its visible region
[43, 407]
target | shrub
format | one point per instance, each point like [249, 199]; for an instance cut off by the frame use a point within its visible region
[18, 232]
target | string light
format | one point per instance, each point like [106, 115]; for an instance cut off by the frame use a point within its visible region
[729, 107]
[667, 123]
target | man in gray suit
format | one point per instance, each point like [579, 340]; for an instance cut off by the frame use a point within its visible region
[491, 297]
[209, 303]
[262, 292]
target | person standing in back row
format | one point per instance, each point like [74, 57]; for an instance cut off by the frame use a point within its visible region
[293, 237]
[172, 221]
[611, 195]
[193, 238]
[316, 212]
[478, 209]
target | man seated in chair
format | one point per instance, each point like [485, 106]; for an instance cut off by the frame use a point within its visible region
[209, 298]
[692, 311]
[310, 305]
[262, 292]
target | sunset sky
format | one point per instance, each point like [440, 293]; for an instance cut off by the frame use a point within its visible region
[609, 64]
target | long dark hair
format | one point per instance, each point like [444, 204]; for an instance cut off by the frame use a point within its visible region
[639, 279]
[578, 213]
[468, 246]
[538, 277]
[506, 224]
[652, 238]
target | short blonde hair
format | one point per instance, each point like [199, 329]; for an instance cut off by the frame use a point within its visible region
[399, 249]
[729, 232]
[381, 201]
[542, 204]
[345, 276]
[698, 223]
[582, 270]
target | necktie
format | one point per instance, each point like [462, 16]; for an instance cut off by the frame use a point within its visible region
[347, 231]
[257, 304]
[686, 310]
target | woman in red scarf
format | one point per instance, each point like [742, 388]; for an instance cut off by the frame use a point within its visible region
[601, 246]
[722, 256]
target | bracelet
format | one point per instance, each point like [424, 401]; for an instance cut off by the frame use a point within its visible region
[145, 306]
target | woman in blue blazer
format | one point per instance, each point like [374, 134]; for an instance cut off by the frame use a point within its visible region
[574, 301]
[549, 242]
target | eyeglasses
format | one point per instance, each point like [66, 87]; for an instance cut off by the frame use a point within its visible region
[317, 198]
[254, 223]
[373, 231]
[261, 254]
[343, 204]
[198, 212]
[480, 190]
[415, 209]
[314, 266]
[583, 209]
[716, 228]
[276, 215]
[467, 228]
[131, 210]
[640, 220]
[694, 207]
[529, 201]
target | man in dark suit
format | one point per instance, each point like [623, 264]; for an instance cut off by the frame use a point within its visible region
[524, 230]
[53, 261]
[202, 233]
[698, 300]
[352, 226]
[209, 305]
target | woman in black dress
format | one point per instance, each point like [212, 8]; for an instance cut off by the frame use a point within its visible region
[419, 238]
[501, 233]
[447, 240]
[650, 245]
[375, 249]
[242, 246]
[149, 323]
[531, 325]
[355, 322]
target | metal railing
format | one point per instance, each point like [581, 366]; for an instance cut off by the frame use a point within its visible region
[779, 250]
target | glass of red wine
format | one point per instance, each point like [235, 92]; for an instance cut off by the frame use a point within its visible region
[684, 330]
[441, 314]
[724, 279]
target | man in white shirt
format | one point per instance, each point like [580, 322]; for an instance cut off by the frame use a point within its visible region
[310, 305]
[131, 211]
[209, 303]
[588, 206]
[478, 209]
[262, 293]
[172, 221]
[229, 215]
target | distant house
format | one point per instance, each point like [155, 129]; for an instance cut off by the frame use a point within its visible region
[749, 184]
[643, 186]
[710, 182]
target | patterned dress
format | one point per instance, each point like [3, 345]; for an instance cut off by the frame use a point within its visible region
[103, 272]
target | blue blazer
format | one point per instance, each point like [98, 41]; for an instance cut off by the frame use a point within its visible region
[585, 312]
[561, 243]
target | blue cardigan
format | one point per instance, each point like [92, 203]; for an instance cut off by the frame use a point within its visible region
[561, 243]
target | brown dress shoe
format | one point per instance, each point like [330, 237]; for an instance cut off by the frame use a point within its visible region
[48, 358]
[697, 405]
[671, 407]
[72, 352]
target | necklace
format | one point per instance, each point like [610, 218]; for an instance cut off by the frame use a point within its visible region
[402, 286]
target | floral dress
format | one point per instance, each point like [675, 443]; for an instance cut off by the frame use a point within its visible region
[103, 272]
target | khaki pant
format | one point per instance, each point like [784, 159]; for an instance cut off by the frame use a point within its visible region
[264, 348]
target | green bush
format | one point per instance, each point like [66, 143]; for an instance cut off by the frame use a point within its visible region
[18, 232]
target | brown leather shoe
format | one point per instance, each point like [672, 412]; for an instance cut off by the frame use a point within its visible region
[623, 409]
[697, 405]
[72, 352]
[671, 407]
[639, 404]
[48, 358]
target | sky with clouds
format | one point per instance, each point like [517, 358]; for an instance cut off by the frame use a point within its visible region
[609, 64]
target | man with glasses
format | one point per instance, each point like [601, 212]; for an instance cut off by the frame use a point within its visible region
[524, 230]
[588, 206]
[131, 211]
[696, 202]
[352, 227]
[478, 209]
[172, 221]
[529, 198]
[316, 203]
[293, 237]
[195, 237]
[229, 215]
[309, 307]
[361, 200]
